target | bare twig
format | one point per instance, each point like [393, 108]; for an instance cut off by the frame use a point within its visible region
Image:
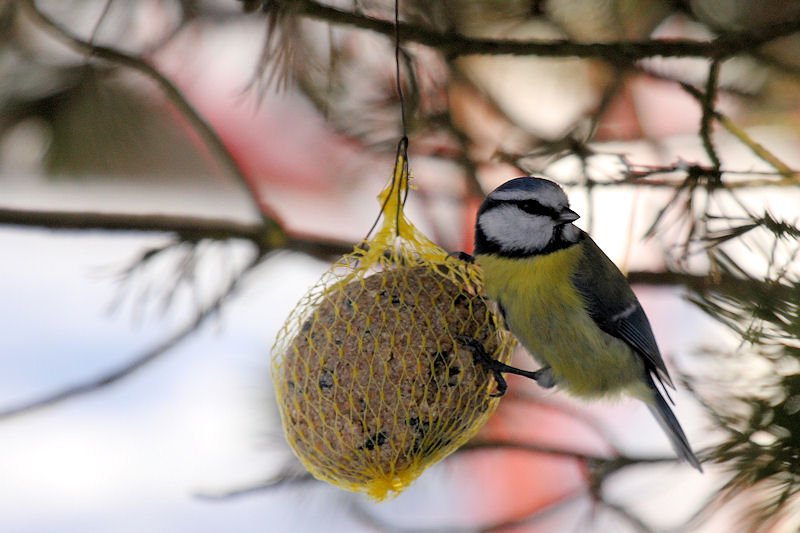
[708, 104]
[642, 175]
[284, 478]
[139, 361]
[492, 444]
[602, 465]
[759, 150]
[790, 176]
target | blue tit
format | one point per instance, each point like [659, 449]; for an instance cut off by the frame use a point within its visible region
[567, 303]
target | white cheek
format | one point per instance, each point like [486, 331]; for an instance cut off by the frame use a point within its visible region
[514, 229]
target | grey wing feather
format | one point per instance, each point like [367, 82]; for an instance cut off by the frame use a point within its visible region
[666, 419]
[613, 306]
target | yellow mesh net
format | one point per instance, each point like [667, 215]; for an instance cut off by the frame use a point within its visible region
[371, 384]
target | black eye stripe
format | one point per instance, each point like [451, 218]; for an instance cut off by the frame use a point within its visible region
[529, 206]
[535, 208]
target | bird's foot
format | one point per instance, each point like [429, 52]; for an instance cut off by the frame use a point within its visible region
[544, 376]
[492, 365]
[463, 256]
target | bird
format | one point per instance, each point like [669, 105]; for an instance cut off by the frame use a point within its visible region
[567, 304]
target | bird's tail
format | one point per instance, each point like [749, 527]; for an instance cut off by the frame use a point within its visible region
[666, 419]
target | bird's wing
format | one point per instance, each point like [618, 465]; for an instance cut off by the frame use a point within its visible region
[613, 306]
[666, 419]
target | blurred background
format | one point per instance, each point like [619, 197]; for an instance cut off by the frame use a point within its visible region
[176, 174]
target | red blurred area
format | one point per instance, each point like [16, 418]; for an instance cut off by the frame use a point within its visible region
[510, 483]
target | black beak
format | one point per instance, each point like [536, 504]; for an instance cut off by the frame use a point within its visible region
[567, 215]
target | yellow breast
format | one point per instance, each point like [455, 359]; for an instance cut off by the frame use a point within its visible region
[548, 317]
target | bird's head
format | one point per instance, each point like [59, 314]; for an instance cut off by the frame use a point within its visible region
[523, 217]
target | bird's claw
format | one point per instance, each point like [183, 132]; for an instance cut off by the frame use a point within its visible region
[492, 365]
[544, 377]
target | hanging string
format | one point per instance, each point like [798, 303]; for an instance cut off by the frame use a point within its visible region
[397, 67]
[399, 179]
[402, 146]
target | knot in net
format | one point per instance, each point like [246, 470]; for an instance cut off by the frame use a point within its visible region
[371, 383]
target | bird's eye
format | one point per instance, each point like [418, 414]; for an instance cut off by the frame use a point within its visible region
[535, 208]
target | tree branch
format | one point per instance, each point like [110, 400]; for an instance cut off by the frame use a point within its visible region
[641, 175]
[196, 228]
[453, 44]
[265, 237]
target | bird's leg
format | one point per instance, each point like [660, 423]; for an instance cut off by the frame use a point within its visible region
[463, 256]
[543, 376]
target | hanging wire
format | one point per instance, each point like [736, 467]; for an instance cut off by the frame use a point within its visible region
[399, 187]
[397, 67]
[399, 179]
